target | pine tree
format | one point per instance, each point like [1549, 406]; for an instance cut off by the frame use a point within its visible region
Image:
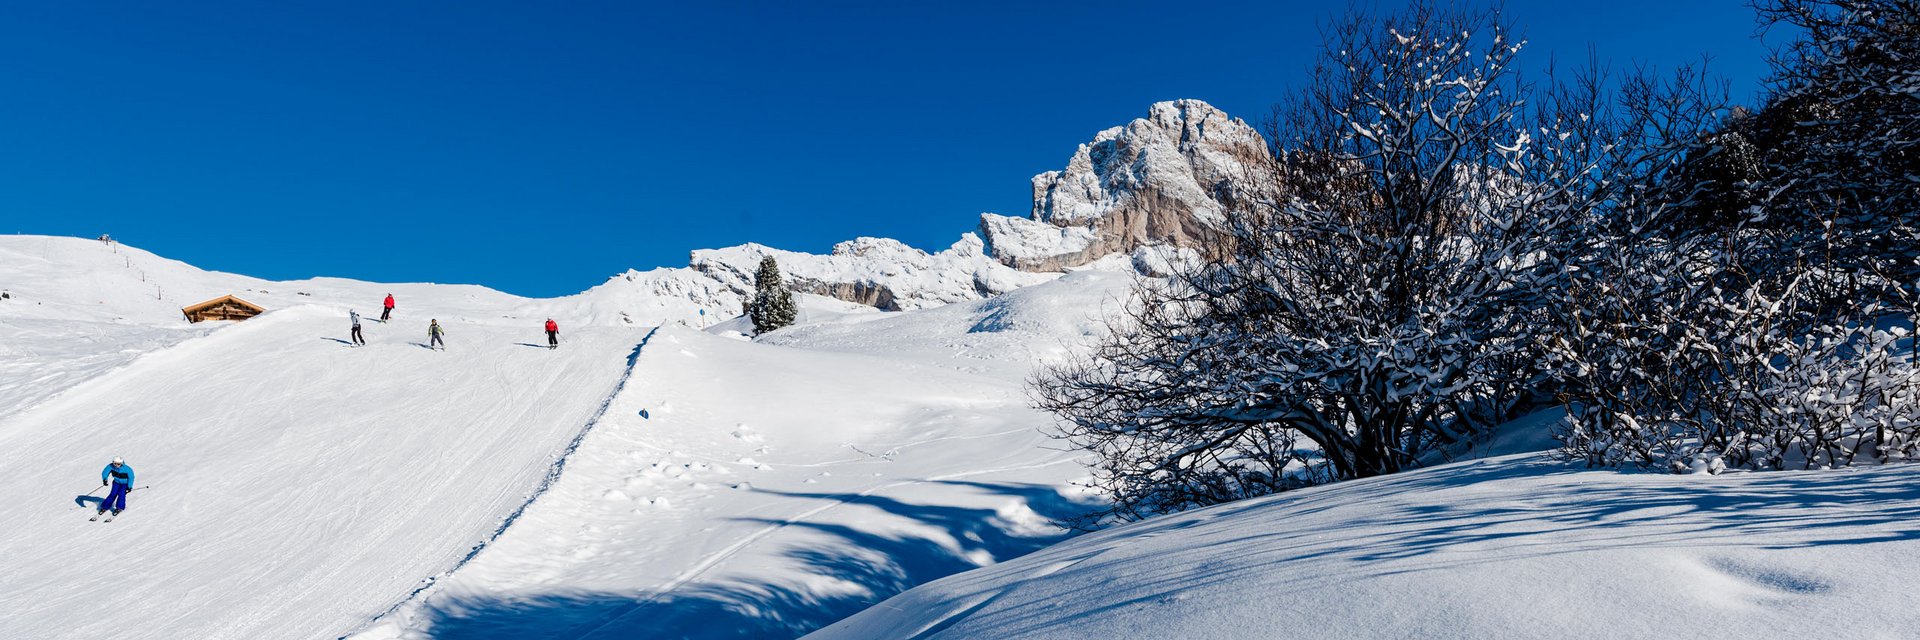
[772, 305]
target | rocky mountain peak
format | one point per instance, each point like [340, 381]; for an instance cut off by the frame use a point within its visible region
[1166, 179]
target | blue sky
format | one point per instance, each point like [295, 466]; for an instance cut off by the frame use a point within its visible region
[539, 148]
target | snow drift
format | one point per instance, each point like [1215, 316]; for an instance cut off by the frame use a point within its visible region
[1511, 547]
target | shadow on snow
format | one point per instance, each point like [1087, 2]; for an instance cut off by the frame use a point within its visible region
[737, 607]
[1386, 535]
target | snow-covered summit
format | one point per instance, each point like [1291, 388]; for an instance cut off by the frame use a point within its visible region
[1167, 179]
[1139, 197]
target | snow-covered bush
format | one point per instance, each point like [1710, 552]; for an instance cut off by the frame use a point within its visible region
[1841, 132]
[1750, 307]
[1667, 368]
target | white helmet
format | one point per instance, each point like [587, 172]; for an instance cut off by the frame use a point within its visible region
[117, 460]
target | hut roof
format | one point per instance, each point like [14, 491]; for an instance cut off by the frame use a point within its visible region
[225, 304]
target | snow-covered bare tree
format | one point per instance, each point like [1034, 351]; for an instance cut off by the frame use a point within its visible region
[1751, 308]
[1392, 306]
[772, 304]
[1841, 132]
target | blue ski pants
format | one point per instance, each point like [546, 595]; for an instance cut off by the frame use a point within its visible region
[117, 498]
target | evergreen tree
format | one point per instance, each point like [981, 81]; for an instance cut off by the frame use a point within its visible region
[772, 305]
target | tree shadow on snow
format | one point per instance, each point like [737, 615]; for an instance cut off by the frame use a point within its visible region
[1389, 536]
[881, 565]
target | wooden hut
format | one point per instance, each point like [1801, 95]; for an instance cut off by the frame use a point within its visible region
[222, 308]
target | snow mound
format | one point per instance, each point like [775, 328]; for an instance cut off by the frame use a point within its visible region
[1517, 546]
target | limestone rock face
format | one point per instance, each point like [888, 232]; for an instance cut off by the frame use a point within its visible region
[1170, 178]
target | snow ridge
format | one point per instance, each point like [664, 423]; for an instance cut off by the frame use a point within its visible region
[553, 474]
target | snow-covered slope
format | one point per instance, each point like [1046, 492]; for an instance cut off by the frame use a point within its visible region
[299, 487]
[303, 488]
[744, 489]
[295, 483]
[1510, 547]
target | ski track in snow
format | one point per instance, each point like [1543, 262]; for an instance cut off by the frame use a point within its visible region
[553, 474]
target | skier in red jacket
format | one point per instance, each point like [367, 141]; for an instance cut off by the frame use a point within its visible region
[387, 310]
[553, 334]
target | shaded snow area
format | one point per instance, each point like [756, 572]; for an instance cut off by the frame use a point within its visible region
[1510, 547]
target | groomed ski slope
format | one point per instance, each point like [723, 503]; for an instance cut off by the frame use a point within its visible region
[298, 486]
[1511, 547]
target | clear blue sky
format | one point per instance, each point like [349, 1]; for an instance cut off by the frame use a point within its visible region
[540, 147]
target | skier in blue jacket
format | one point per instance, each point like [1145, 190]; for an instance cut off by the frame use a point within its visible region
[119, 474]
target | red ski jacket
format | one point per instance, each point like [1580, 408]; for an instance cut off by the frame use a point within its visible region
[389, 302]
[551, 327]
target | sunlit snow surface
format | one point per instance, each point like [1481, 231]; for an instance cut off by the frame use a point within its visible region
[303, 488]
[763, 490]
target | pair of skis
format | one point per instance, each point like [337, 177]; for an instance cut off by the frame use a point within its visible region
[103, 516]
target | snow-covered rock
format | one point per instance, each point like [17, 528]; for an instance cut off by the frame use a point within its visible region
[1170, 178]
[878, 272]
